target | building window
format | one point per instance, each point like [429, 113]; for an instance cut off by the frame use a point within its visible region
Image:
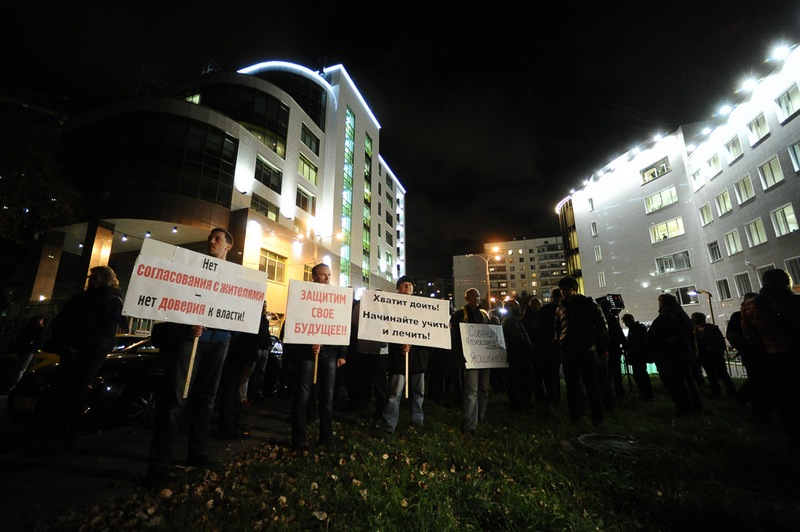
[594, 228]
[306, 201]
[762, 269]
[714, 254]
[673, 263]
[757, 129]
[274, 265]
[591, 204]
[723, 202]
[744, 189]
[307, 169]
[733, 243]
[734, 149]
[264, 207]
[723, 289]
[770, 173]
[714, 166]
[661, 199]
[268, 175]
[656, 170]
[601, 279]
[706, 216]
[789, 103]
[697, 180]
[389, 238]
[794, 153]
[307, 276]
[683, 294]
[793, 267]
[598, 254]
[784, 220]
[742, 282]
[755, 232]
[666, 230]
[310, 139]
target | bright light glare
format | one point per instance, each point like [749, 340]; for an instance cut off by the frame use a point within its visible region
[780, 52]
[725, 110]
[749, 84]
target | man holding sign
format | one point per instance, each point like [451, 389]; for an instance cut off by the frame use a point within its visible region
[202, 373]
[315, 364]
[406, 362]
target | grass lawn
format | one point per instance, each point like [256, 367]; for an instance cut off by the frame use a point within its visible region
[522, 471]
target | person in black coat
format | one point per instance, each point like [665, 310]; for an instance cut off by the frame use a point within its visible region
[82, 334]
[638, 355]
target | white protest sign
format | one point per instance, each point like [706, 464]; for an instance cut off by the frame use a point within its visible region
[484, 346]
[318, 314]
[404, 319]
[181, 286]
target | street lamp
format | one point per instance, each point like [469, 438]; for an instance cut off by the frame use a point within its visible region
[710, 306]
[317, 240]
[485, 259]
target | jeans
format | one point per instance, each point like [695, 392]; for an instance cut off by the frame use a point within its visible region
[476, 396]
[326, 378]
[396, 388]
[206, 372]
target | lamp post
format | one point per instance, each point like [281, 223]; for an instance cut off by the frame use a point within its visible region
[710, 306]
[318, 240]
[485, 259]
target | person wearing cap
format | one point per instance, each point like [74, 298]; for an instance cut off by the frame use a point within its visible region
[582, 338]
[771, 324]
[417, 366]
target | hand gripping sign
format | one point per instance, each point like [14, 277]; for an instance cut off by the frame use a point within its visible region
[317, 314]
[404, 319]
[177, 285]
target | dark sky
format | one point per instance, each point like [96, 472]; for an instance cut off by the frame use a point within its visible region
[488, 118]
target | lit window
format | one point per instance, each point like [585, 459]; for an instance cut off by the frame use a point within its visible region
[789, 102]
[763, 269]
[733, 243]
[666, 230]
[742, 281]
[755, 232]
[794, 153]
[793, 267]
[714, 253]
[601, 279]
[723, 202]
[714, 166]
[687, 295]
[706, 217]
[723, 289]
[673, 263]
[661, 199]
[598, 254]
[758, 129]
[734, 148]
[307, 169]
[264, 207]
[784, 220]
[770, 173]
[274, 265]
[656, 170]
[193, 98]
[744, 189]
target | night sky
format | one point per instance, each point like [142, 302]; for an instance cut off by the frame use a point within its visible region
[488, 118]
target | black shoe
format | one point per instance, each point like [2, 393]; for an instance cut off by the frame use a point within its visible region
[201, 460]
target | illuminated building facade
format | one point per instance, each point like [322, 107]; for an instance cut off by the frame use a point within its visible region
[700, 213]
[286, 158]
[519, 268]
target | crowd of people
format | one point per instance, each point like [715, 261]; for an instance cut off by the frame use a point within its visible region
[570, 336]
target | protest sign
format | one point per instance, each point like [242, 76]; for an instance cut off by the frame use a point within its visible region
[484, 346]
[178, 285]
[404, 319]
[318, 313]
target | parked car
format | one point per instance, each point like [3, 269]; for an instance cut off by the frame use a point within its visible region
[124, 391]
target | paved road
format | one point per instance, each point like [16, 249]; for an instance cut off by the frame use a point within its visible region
[37, 487]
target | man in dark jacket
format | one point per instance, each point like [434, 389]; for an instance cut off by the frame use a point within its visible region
[670, 337]
[582, 338]
[709, 347]
[637, 356]
[519, 380]
[546, 358]
[771, 323]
